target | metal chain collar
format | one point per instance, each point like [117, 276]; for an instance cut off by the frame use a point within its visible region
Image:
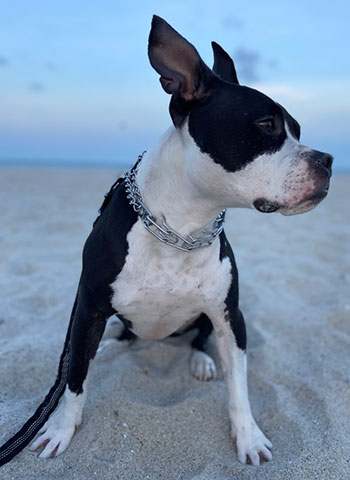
[201, 238]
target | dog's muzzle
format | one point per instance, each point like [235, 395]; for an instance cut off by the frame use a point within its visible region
[320, 168]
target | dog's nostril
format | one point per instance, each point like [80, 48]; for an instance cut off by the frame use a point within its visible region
[325, 160]
[328, 160]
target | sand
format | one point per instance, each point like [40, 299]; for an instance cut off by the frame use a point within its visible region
[146, 417]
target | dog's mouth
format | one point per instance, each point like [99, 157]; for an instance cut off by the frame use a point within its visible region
[265, 206]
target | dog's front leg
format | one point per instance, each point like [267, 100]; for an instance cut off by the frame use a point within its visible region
[252, 445]
[84, 336]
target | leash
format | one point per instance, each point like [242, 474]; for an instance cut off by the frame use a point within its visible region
[23, 437]
[116, 184]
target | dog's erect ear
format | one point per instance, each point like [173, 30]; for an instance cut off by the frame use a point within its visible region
[182, 70]
[223, 64]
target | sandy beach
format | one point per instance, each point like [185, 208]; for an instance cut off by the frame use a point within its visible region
[146, 417]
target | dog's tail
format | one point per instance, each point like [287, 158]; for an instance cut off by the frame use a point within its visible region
[21, 439]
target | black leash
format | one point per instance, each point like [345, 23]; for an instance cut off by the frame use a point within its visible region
[115, 185]
[23, 437]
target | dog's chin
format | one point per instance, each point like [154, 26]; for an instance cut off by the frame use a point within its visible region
[301, 208]
[304, 206]
[265, 206]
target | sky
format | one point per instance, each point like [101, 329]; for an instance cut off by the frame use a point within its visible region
[76, 85]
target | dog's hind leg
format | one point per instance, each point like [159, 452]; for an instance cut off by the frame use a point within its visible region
[126, 334]
[116, 332]
[86, 331]
[201, 364]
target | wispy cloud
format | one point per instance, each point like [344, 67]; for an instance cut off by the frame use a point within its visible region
[37, 87]
[232, 22]
[3, 61]
[248, 64]
[50, 66]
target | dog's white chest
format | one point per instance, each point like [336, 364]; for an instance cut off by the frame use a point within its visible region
[160, 288]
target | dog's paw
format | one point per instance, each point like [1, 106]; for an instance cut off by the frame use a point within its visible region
[252, 445]
[54, 438]
[202, 366]
[56, 434]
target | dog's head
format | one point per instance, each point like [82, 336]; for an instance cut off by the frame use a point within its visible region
[240, 145]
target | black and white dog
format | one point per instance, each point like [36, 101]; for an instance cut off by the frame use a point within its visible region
[230, 146]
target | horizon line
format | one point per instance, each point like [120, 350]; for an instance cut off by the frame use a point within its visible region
[108, 164]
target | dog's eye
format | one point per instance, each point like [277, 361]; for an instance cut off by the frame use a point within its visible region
[268, 124]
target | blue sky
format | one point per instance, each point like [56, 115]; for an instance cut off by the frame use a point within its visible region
[76, 84]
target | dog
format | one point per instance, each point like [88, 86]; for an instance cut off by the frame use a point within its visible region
[158, 257]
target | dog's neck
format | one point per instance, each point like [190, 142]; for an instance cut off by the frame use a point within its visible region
[167, 190]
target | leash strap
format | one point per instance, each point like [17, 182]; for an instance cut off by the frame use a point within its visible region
[115, 185]
[21, 439]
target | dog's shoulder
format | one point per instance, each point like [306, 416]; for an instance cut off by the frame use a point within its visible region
[106, 247]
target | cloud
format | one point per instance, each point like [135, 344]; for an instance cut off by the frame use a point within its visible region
[248, 64]
[231, 22]
[51, 66]
[3, 61]
[36, 87]
[273, 64]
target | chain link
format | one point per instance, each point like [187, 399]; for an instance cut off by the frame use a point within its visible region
[202, 238]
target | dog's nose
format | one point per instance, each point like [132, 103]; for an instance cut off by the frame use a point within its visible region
[321, 161]
[324, 159]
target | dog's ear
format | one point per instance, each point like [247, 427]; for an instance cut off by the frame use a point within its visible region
[223, 64]
[181, 69]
